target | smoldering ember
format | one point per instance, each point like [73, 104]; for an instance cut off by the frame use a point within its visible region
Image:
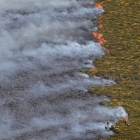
[45, 46]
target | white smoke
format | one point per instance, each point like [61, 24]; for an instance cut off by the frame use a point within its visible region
[45, 45]
[79, 119]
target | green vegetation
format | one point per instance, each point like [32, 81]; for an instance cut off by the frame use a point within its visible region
[121, 29]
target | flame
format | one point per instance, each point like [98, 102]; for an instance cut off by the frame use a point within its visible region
[100, 15]
[120, 119]
[98, 5]
[100, 26]
[101, 41]
[93, 69]
[126, 119]
[106, 50]
[98, 36]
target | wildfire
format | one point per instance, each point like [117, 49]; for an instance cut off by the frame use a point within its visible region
[101, 41]
[100, 15]
[120, 119]
[106, 50]
[98, 36]
[98, 5]
[100, 26]
[125, 119]
[93, 69]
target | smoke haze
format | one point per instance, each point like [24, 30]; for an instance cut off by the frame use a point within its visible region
[45, 45]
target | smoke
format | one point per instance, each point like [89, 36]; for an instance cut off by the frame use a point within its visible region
[75, 118]
[30, 37]
[45, 46]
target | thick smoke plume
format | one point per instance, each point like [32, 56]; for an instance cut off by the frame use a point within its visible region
[45, 45]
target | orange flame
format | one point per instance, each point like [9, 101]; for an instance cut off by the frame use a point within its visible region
[98, 5]
[101, 41]
[100, 15]
[100, 26]
[126, 119]
[98, 36]
[106, 50]
[93, 69]
[120, 119]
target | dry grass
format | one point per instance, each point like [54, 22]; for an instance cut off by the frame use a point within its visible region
[121, 29]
